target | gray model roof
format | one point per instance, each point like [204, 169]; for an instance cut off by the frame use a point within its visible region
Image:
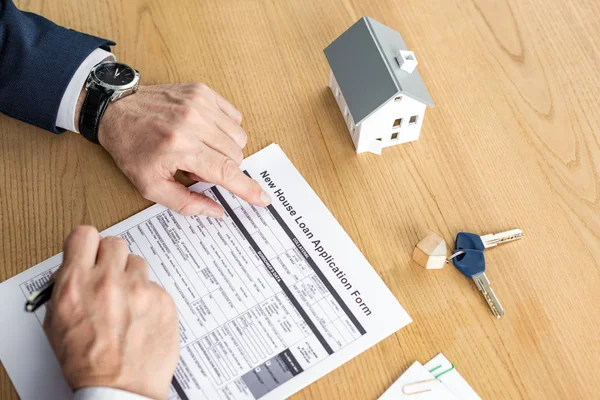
[363, 60]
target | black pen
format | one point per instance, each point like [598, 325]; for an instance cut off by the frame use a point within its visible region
[39, 297]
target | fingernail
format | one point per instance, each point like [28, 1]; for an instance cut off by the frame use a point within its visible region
[211, 213]
[265, 198]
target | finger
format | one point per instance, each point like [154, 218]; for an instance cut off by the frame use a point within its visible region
[80, 250]
[213, 128]
[228, 109]
[112, 253]
[157, 287]
[182, 200]
[137, 267]
[222, 138]
[216, 168]
[234, 132]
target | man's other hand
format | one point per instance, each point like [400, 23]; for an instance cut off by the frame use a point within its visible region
[189, 127]
[107, 323]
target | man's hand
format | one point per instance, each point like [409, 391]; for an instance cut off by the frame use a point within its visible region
[189, 127]
[107, 323]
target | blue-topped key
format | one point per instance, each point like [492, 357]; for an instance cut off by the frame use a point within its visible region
[468, 258]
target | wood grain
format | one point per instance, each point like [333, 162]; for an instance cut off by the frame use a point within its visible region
[513, 141]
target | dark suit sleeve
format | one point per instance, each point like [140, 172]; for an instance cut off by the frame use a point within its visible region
[37, 61]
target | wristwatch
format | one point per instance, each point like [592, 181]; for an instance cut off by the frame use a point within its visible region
[108, 81]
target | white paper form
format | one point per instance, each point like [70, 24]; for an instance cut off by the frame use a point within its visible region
[452, 379]
[417, 383]
[436, 380]
[269, 299]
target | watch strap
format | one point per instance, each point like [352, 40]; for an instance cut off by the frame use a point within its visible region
[92, 110]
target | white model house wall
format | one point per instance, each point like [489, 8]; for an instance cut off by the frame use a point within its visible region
[397, 121]
[339, 97]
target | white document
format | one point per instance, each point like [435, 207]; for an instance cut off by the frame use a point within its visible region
[452, 379]
[417, 383]
[436, 380]
[269, 299]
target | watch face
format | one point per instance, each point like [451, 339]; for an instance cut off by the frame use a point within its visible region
[115, 74]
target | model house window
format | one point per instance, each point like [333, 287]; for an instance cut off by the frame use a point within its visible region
[412, 120]
[395, 136]
[398, 98]
[346, 111]
[337, 92]
[397, 123]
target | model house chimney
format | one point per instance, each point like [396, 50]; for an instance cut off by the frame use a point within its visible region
[407, 60]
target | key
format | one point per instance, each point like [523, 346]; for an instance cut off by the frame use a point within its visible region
[469, 260]
[494, 239]
[483, 284]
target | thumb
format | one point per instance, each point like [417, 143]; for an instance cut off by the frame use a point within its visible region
[182, 200]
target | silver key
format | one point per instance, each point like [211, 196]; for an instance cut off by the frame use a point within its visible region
[483, 284]
[481, 280]
[477, 270]
[494, 239]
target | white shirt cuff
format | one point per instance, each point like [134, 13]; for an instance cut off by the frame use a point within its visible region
[106, 393]
[68, 105]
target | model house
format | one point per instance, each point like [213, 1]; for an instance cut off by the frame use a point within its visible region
[377, 86]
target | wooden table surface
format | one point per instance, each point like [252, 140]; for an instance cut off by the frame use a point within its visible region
[513, 141]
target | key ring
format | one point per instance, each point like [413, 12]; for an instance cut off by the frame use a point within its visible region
[461, 252]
